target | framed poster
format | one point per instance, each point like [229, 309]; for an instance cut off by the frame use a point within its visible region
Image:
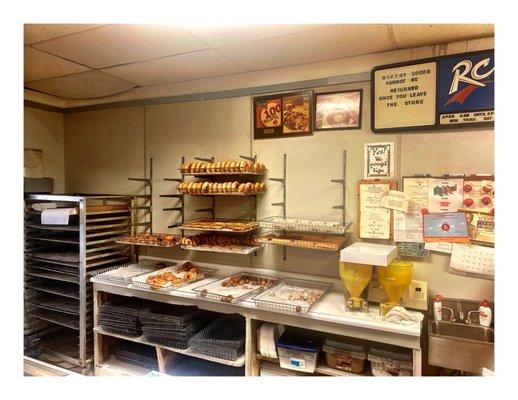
[338, 110]
[453, 91]
[283, 115]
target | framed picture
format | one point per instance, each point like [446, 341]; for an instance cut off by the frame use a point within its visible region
[283, 115]
[338, 110]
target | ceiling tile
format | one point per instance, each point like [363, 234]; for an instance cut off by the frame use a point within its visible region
[85, 85]
[225, 35]
[338, 41]
[182, 67]
[120, 44]
[408, 35]
[38, 32]
[40, 65]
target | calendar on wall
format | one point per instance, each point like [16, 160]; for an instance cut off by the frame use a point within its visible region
[472, 260]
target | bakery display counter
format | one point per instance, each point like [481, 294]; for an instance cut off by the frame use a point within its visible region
[329, 315]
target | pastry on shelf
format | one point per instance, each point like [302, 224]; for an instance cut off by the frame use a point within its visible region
[183, 274]
[210, 224]
[315, 242]
[158, 239]
[218, 240]
[200, 188]
[202, 167]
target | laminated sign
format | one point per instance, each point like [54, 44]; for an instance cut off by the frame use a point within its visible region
[435, 93]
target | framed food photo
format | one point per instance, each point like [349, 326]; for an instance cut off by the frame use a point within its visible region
[297, 109]
[338, 110]
[267, 117]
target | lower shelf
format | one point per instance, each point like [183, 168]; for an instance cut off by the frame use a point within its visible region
[322, 368]
[237, 363]
[115, 367]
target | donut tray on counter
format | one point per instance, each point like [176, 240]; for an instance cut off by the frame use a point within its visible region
[220, 225]
[170, 278]
[304, 225]
[235, 288]
[293, 295]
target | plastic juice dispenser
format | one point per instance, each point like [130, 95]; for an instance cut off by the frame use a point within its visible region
[394, 279]
[355, 267]
[356, 277]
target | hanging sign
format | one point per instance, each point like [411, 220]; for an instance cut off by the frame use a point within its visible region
[445, 92]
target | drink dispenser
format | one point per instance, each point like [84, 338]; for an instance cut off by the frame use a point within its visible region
[394, 279]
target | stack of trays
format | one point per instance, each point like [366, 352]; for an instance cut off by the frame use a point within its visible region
[137, 354]
[224, 338]
[173, 326]
[121, 316]
[190, 366]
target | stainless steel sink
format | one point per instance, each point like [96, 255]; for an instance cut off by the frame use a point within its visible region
[458, 345]
[463, 331]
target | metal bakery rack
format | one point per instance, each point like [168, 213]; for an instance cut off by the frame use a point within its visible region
[59, 261]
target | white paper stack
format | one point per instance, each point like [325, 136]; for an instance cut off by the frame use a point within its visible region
[56, 216]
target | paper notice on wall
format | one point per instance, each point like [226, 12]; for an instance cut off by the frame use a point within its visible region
[408, 227]
[444, 195]
[395, 200]
[374, 219]
[379, 160]
[440, 247]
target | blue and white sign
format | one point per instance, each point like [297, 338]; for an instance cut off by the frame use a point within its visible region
[466, 92]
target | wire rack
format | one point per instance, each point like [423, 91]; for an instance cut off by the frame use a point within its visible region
[303, 225]
[130, 270]
[328, 243]
[270, 299]
[206, 273]
[251, 193]
[223, 249]
[232, 297]
[244, 173]
[253, 225]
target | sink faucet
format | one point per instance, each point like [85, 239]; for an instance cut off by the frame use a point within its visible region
[452, 314]
[468, 317]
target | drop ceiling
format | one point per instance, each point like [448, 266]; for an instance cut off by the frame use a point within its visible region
[81, 61]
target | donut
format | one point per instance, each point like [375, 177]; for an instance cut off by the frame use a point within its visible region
[262, 187]
[241, 187]
[257, 187]
[205, 187]
[232, 166]
[248, 187]
[235, 185]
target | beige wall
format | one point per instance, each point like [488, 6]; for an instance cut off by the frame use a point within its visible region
[104, 147]
[44, 130]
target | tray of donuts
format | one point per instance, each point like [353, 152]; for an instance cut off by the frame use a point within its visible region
[221, 188]
[222, 168]
[220, 243]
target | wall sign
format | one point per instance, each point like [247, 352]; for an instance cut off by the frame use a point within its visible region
[283, 115]
[378, 160]
[445, 92]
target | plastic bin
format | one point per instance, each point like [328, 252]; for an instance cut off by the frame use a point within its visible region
[298, 352]
[386, 361]
[346, 356]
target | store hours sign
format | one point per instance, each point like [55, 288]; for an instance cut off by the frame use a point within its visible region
[438, 93]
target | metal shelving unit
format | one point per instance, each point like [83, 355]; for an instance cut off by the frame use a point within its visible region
[144, 202]
[181, 200]
[59, 261]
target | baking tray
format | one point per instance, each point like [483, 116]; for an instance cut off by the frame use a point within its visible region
[226, 194]
[224, 173]
[185, 225]
[170, 314]
[313, 242]
[215, 290]
[191, 366]
[305, 225]
[175, 344]
[225, 353]
[234, 249]
[51, 275]
[140, 281]
[58, 304]
[61, 289]
[126, 240]
[276, 298]
[227, 331]
[122, 274]
[70, 321]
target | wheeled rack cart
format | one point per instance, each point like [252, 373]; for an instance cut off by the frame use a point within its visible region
[58, 263]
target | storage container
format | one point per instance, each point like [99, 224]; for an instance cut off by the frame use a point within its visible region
[388, 361]
[347, 356]
[298, 352]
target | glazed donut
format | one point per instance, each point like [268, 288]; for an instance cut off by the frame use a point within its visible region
[205, 187]
[262, 187]
[248, 187]
[232, 166]
[257, 187]
[234, 187]
[203, 167]
[256, 167]
[241, 187]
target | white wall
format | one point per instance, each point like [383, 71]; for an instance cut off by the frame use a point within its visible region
[104, 147]
[44, 130]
